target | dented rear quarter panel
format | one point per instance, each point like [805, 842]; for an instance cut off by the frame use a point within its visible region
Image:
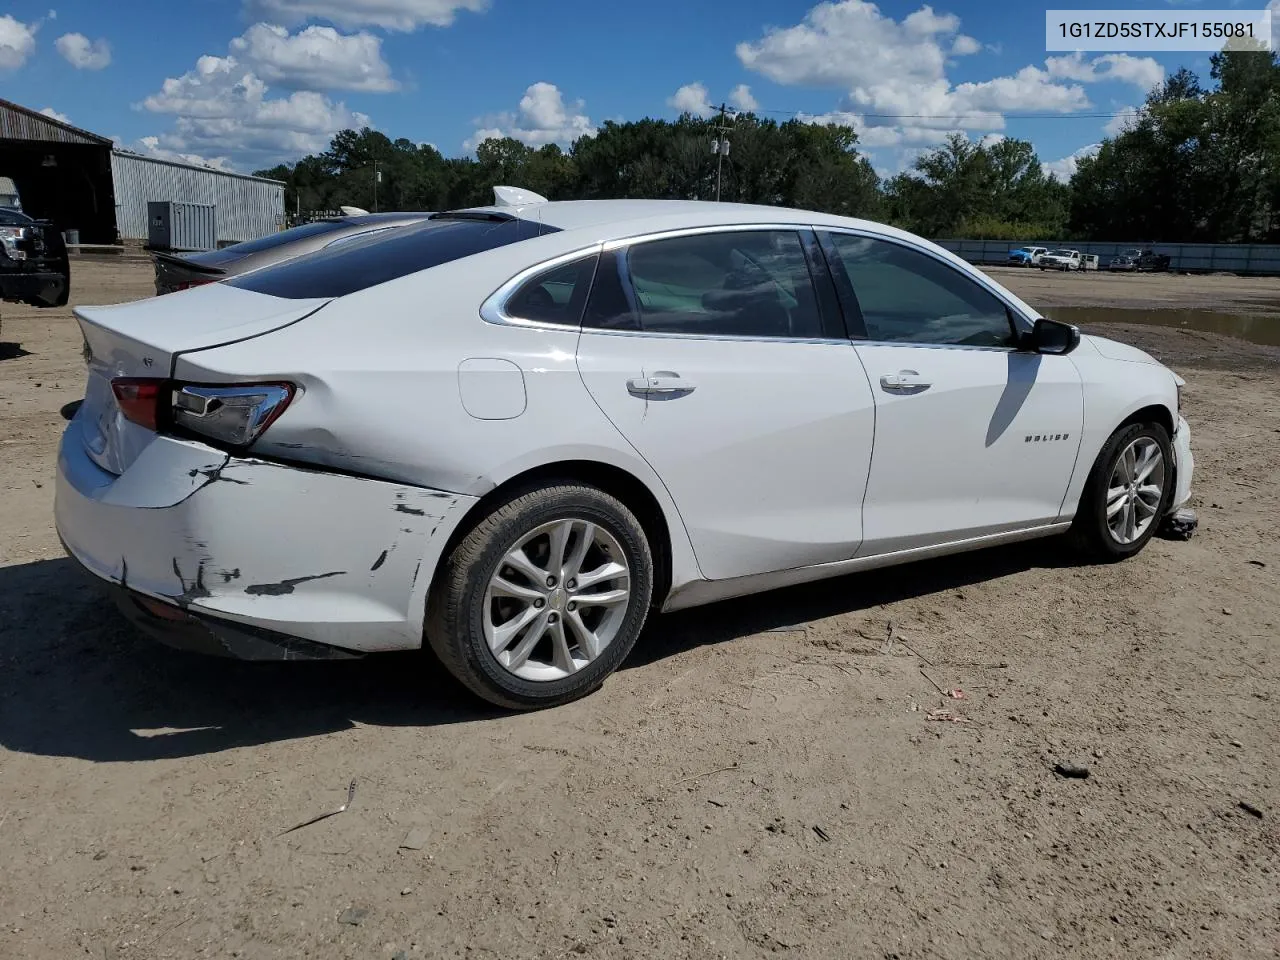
[337, 559]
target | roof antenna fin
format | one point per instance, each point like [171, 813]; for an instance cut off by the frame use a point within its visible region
[515, 197]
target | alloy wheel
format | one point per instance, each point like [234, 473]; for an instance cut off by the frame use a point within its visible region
[1136, 490]
[557, 599]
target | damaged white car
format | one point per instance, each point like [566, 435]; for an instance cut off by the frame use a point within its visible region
[513, 432]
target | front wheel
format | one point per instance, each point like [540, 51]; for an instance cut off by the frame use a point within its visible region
[1126, 494]
[544, 598]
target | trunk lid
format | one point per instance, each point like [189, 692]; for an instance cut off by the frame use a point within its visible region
[143, 339]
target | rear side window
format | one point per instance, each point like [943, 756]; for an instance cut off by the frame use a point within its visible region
[369, 261]
[556, 295]
[752, 283]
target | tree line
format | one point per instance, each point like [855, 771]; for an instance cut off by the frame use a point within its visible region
[1196, 164]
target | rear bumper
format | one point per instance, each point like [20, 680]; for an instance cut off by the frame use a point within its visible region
[183, 630]
[272, 550]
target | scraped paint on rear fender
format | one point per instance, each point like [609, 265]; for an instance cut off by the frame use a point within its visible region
[338, 559]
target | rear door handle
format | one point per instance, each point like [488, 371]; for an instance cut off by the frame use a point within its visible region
[905, 381]
[660, 384]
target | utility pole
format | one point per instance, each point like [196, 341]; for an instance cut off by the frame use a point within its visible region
[720, 147]
[377, 178]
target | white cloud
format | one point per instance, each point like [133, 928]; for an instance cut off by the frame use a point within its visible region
[150, 147]
[894, 73]
[740, 96]
[692, 98]
[405, 15]
[874, 137]
[925, 23]
[83, 53]
[542, 118]
[222, 108]
[1064, 168]
[1274, 7]
[963, 46]
[1124, 119]
[53, 114]
[1143, 72]
[317, 58]
[844, 44]
[17, 40]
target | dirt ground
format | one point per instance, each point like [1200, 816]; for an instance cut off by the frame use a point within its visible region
[762, 778]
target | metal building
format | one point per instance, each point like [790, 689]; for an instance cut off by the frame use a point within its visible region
[245, 208]
[82, 182]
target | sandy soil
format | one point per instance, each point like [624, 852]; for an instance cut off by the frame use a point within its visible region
[761, 779]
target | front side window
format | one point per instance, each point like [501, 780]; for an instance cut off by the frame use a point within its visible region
[908, 296]
[751, 283]
[555, 296]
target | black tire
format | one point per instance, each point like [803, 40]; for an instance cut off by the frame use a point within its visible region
[1089, 533]
[455, 628]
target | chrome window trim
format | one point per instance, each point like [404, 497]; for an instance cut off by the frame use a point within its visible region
[976, 276]
[494, 308]
[741, 338]
[669, 234]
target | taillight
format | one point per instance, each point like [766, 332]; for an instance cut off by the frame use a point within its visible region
[232, 414]
[139, 399]
[188, 284]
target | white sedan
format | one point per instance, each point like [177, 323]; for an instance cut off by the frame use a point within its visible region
[514, 432]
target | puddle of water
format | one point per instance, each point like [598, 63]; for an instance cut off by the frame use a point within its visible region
[1256, 329]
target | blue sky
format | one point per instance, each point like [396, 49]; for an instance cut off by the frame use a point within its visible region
[247, 83]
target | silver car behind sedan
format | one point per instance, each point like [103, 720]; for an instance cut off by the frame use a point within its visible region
[181, 271]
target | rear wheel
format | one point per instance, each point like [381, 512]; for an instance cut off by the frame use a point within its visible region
[1126, 494]
[544, 598]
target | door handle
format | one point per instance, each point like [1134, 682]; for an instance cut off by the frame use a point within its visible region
[905, 381]
[659, 385]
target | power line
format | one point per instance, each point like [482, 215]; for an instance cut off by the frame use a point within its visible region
[969, 117]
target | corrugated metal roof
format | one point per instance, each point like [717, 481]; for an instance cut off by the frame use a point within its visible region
[21, 123]
[193, 166]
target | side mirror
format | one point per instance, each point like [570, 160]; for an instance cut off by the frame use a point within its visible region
[1052, 337]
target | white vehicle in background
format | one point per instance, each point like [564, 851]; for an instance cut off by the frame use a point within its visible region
[1061, 260]
[513, 432]
[1088, 261]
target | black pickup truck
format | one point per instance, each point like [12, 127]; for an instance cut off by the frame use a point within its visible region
[1140, 261]
[33, 261]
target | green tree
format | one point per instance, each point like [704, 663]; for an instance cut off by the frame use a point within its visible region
[967, 189]
[1196, 165]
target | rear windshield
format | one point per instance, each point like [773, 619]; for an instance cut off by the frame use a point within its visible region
[367, 262]
[238, 251]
